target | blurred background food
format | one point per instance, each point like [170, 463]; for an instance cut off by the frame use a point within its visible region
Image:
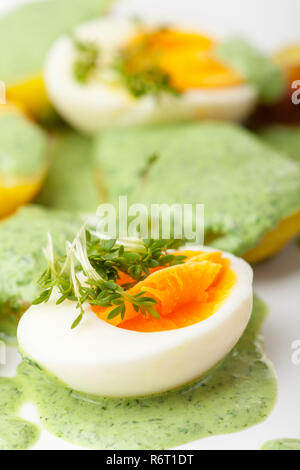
[26, 34]
[23, 159]
[285, 110]
[71, 181]
[286, 139]
[120, 73]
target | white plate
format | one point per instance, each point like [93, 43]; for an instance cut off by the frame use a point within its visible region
[277, 281]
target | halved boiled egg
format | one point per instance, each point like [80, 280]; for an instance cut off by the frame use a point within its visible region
[119, 73]
[204, 306]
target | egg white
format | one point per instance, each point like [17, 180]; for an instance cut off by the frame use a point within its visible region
[101, 359]
[100, 104]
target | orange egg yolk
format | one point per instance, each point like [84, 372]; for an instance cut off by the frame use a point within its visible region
[185, 294]
[187, 58]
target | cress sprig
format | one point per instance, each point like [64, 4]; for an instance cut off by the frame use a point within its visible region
[151, 80]
[145, 80]
[87, 56]
[90, 270]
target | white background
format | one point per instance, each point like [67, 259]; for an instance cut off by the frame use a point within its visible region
[270, 24]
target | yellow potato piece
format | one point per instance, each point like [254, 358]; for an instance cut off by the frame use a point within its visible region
[17, 190]
[272, 242]
[18, 194]
[289, 56]
[31, 94]
[10, 107]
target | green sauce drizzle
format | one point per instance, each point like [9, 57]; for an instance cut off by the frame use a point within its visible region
[15, 433]
[282, 444]
[239, 393]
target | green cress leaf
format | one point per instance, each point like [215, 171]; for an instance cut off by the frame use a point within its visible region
[101, 261]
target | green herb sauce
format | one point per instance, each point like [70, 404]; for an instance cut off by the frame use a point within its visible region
[24, 147]
[28, 32]
[263, 74]
[282, 444]
[70, 184]
[22, 238]
[284, 139]
[239, 393]
[15, 433]
[245, 186]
